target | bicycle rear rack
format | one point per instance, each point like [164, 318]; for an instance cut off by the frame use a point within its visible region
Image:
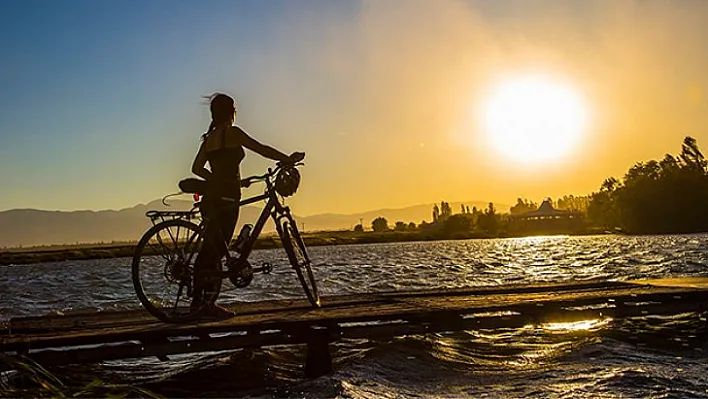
[161, 216]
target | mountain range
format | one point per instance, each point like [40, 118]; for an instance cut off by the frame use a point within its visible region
[32, 227]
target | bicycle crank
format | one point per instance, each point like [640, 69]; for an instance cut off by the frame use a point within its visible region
[240, 272]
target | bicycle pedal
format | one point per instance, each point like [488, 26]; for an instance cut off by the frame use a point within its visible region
[266, 268]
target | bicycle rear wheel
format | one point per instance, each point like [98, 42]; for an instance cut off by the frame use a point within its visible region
[163, 270]
[300, 260]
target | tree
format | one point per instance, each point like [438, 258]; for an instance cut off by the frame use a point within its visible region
[359, 228]
[601, 210]
[476, 213]
[379, 224]
[610, 184]
[491, 210]
[460, 223]
[445, 211]
[400, 226]
[573, 203]
[666, 196]
[691, 156]
[489, 220]
[522, 206]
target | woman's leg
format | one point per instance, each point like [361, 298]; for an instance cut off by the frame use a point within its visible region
[220, 219]
[227, 221]
[208, 256]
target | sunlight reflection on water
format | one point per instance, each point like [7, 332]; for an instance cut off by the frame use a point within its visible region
[583, 325]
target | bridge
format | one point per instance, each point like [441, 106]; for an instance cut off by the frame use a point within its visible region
[110, 335]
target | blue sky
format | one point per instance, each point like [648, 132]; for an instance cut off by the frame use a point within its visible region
[101, 101]
[99, 94]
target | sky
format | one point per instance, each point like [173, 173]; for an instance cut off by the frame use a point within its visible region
[101, 102]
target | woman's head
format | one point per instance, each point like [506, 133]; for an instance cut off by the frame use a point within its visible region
[223, 110]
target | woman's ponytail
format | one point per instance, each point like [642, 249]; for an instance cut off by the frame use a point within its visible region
[211, 127]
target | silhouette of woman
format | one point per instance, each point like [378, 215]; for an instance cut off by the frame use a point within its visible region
[223, 148]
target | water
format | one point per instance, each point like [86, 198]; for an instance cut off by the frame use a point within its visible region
[603, 361]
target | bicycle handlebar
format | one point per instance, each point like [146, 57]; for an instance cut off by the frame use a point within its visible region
[271, 172]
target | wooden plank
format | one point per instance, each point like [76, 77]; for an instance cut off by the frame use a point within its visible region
[98, 320]
[374, 312]
[126, 350]
[686, 282]
[111, 319]
[425, 307]
[112, 335]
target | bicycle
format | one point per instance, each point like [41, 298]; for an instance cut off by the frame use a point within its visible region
[165, 254]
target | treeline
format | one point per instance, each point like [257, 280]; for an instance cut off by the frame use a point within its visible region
[468, 223]
[667, 196]
[445, 224]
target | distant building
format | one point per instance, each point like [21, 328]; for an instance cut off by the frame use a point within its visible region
[547, 220]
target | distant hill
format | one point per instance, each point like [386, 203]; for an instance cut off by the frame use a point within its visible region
[31, 227]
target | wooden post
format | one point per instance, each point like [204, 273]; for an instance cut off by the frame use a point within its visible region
[318, 361]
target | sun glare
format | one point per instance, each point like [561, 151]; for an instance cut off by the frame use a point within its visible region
[534, 119]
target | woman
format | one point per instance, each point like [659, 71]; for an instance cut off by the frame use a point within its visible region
[223, 148]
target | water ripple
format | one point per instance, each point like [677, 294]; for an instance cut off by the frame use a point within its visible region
[511, 363]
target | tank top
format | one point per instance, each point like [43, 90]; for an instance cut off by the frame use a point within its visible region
[224, 163]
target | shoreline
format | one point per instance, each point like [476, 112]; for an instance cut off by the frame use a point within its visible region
[19, 256]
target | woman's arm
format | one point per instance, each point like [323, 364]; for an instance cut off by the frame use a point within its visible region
[200, 161]
[262, 149]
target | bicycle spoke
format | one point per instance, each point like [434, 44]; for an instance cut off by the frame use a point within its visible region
[179, 293]
[158, 251]
[195, 239]
[172, 237]
[167, 249]
[177, 236]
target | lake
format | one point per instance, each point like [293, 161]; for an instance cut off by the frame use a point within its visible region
[597, 362]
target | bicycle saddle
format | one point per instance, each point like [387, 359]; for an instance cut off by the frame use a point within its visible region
[224, 188]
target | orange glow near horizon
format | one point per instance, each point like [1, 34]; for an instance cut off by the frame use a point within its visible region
[534, 119]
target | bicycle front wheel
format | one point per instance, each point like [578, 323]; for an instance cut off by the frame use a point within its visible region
[163, 269]
[299, 259]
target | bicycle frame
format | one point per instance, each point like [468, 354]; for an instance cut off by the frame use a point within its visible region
[273, 209]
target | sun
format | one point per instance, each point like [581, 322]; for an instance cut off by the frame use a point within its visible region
[534, 119]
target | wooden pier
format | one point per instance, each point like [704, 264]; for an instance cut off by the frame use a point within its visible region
[132, 334]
